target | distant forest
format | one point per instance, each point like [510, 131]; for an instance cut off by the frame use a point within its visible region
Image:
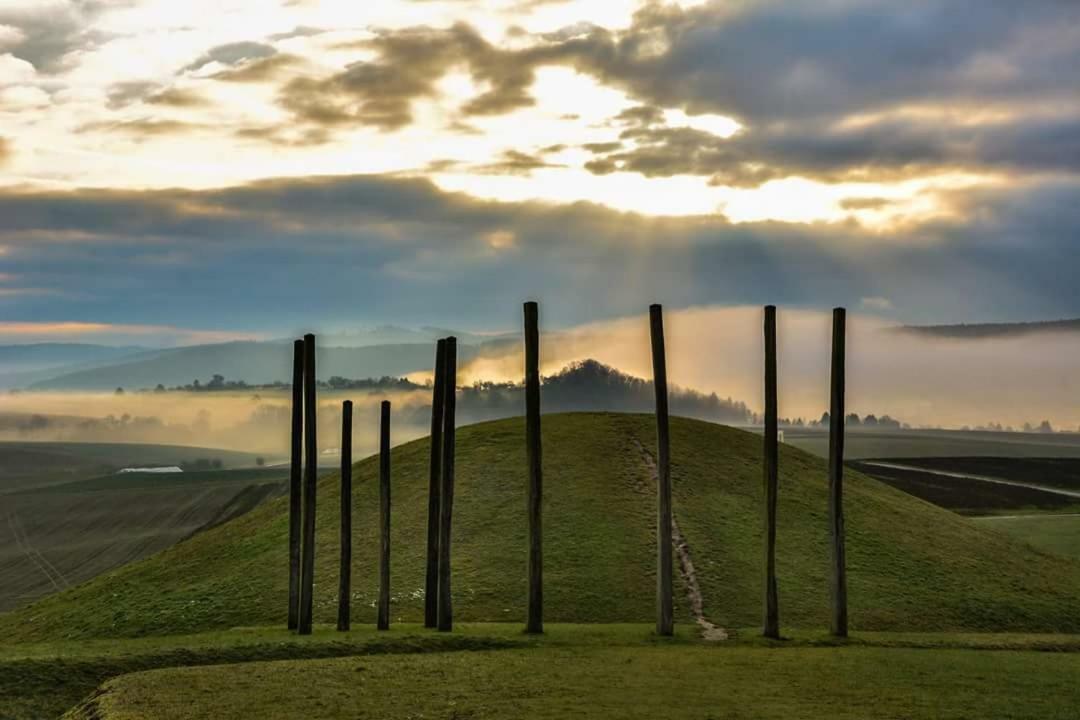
[591, 385]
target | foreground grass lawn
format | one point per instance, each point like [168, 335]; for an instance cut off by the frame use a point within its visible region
[644, 681]
[44, 680]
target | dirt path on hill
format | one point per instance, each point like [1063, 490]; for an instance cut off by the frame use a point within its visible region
[709, 630]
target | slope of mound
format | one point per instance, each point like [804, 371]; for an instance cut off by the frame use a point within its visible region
[912, 566]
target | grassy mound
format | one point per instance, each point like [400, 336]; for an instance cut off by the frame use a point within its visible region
[911, 566]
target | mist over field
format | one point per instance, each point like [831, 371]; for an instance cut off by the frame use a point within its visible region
[256, 421]
[933, 379]
[919, 378]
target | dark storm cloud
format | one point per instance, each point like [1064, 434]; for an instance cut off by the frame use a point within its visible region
[359, 248]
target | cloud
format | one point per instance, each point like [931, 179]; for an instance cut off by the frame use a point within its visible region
[393, 249]
[231, 54]
[124, 94]
[876, 303]
[5, 150]
[837, 91]
[260, 70]
[773, 61]
[145, 127]
[177, 98]
[409, 64]
[66, 331]
[879, 150]
[45, 32]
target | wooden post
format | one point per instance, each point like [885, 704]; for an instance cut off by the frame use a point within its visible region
[296, 469]
[345, 571]
[431, 579]
[535, 566]
[384, 516]
[771, 463]
[311, 476]
[665, 615]
[446, 491]
[836, 478]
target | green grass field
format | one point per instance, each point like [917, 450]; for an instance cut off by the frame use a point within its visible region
[912, 566]
[197, 630]
[675, 681]
[57, 536]
[1051, 532]
[47, 679]
[863, 443]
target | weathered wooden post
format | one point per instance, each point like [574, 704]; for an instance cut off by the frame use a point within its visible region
[665, 615]
[311, 476]
[535, 566]
[384, 516]
[446, 490]
[836, 478]
[296, 468]
[431, 579]
[771, 464]
[345, 572]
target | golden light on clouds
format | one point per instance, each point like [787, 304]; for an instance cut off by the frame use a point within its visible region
[26, 332]
[167, 120]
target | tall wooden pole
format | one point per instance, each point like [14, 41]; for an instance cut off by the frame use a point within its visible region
[665, 615]
[296, 469]
[345, 571]
[311, 476]
[771, 463]
[384, 516]
[836, 478]
[446, 491]
[431, 579]
[535, 620]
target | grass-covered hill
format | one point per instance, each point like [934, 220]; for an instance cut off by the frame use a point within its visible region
[912, 566]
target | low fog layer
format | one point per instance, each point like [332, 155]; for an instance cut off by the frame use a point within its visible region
[918, 378]
[258, 419]
[915, 377]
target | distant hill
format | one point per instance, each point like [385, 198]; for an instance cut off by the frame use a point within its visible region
[912, 566]
[24, 364]
[991, 330]
[40, 355]
[589, 385]
[253, 362]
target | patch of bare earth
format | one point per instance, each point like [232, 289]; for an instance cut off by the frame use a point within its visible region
[709, 630]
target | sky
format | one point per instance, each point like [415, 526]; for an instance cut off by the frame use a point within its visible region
[189, 172]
